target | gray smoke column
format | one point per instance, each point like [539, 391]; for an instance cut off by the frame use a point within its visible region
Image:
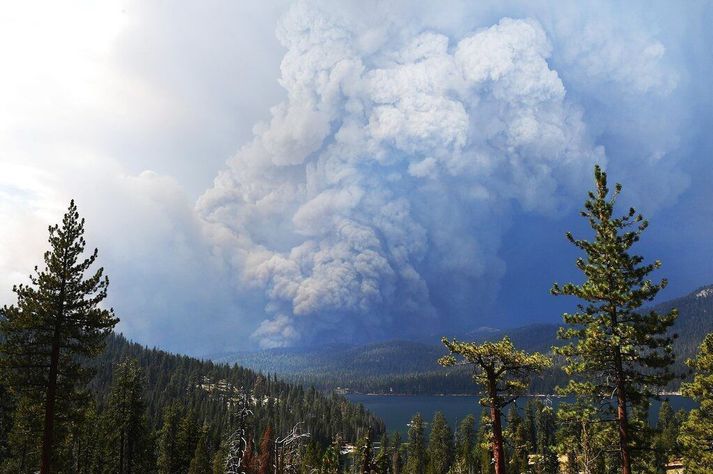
[375, 198]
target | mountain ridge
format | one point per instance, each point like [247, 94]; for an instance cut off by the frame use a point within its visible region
[412, 365]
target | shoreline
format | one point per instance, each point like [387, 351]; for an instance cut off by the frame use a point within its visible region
[534, 395]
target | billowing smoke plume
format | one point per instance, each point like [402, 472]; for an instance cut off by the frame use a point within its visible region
[376, 197]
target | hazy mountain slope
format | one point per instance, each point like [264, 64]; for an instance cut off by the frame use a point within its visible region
[410, 367]
[393, 357]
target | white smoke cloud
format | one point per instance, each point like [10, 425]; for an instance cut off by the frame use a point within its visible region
[373, 198]
[389, 168]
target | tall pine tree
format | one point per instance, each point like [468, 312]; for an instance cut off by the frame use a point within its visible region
[503, 373]
[169, 448]
[696, 435]
[55, 327]
[465, 444]
[416, 460]
[128, 439]
[440, 446]
[200, 464]
[616, 348]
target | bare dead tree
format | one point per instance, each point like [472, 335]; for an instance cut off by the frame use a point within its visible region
[288, 452]
[237, 441]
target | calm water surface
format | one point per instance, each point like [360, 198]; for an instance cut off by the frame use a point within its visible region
[397, 410]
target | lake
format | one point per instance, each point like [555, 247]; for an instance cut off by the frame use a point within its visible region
[397, 410]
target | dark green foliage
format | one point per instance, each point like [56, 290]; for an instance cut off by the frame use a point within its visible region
[696, 436]
[616, 348]
[189, 433]
[203, 387]
[200, 464]
[502, 373]
[169, 456]
[219, 461]
[544, 435]
[416, 460]
[54, 328]
[665, 444]
[7, 408]
[364, 462]
[127, 436]
[582, 438]
[397, 463]
[518, 442]
[331, 459]
[90, 447]
[484, 444]
[465, 449]
[440, 446]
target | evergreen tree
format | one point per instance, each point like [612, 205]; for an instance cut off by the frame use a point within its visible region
[529, 423]
[363, 461]
[331, 462]
[440, 445]
[125, 419]
[169, 457]
[696, 435]
[416, 460]
[383, 457]
[545, 436]
[583, 438]
[189, 433]
[7, 407]
[396, 456]
[22, 439]
[465, 444]
[616, 348]
[518, 442]
[219, 461]
[311, 459]
[484, 444]
[89, 439]
[200, 464]
[503, 373]
[55, 327]
[666, 440]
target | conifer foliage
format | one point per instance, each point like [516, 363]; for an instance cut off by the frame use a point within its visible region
[56, 325]
[128, 438]
[615, 347]
[696, 435]
[440, 445]
[503, 373]
[416, 462]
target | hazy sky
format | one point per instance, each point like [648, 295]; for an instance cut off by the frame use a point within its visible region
[269, 174]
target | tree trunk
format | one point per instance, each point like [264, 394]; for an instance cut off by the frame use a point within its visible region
[622, 415]
[498, 452]
[51, 396]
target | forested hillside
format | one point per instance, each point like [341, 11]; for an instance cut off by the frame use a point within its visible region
[194, 383]
[187, 404]
[410, 367]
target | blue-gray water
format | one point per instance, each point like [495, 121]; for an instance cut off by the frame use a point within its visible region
[397, 410]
